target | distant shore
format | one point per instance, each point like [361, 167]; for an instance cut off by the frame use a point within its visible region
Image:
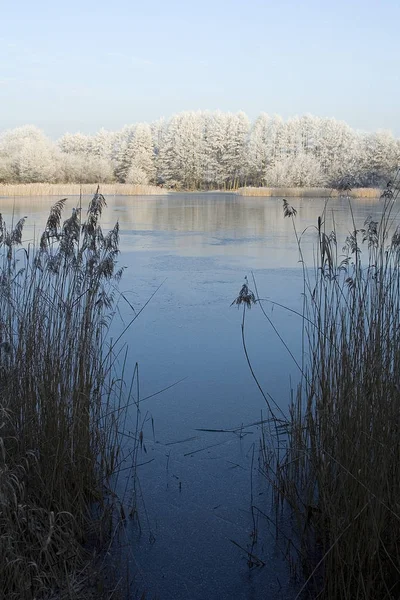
[308, 192]
[76, 189]
[126, 189]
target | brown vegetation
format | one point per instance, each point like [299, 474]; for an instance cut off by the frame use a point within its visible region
[339, 475]
[60, 407]
[304, 192]
[75, 189]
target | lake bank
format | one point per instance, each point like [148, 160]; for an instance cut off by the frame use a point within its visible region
[308, 192]
[77, 189]
[126, 189]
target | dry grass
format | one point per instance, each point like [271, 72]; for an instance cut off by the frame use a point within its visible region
[307, 192]
[59, 404]
[340, 473]
[126, 189]
[75, 189]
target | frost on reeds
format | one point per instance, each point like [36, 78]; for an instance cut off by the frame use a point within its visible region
[58, 418]
[340, 474]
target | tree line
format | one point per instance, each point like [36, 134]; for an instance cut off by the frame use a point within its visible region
[205, 150]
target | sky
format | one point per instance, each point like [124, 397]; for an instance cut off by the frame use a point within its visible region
[85, 64]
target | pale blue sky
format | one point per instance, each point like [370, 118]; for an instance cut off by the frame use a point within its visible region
[86, 64]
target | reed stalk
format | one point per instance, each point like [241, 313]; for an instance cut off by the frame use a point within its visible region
[60, 404]
[339, 477]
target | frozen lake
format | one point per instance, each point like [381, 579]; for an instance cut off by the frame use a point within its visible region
[196, 486]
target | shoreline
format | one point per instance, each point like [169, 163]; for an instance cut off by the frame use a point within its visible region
[77, 189]
[124, 189]
[308, 192]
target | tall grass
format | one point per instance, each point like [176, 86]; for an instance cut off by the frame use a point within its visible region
[340, 474]
[75, 189]
[126, 189]
[304, 192]
[59, 405]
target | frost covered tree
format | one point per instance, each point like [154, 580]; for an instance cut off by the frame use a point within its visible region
[260, 154]
[134, 156]
[308, 126]
[27, 155]
[102, 144]
[234, 158]
[225, 148]
[158, 129]
[335, 148]
[290, 138]
[86, 159]
[139, 156]
[214, 147]
[136, 176]
[304, 170]
[75, 143]
[121, 154]
[381, 156]
[182, 151]
[205, 150]
[81, 168]
[7, 172]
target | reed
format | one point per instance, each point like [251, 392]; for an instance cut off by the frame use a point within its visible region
[60, 407]
[340, 473]
[303, 192]
[75, 189]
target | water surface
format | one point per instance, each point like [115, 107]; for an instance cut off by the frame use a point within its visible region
[197, 487]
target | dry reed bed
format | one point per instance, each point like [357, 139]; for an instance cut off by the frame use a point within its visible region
[340, 473]
[303, 192]
[59, 407]
[75, 189]
[125, 189]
